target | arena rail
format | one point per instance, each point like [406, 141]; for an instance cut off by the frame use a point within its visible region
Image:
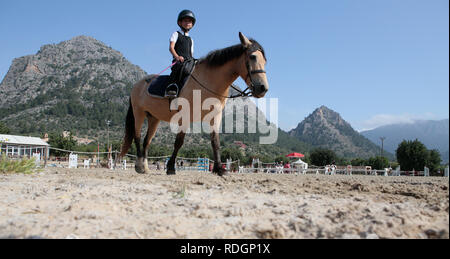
[86, 160]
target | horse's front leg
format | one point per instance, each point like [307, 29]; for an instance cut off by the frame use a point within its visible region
[178, 143]
[215, 142]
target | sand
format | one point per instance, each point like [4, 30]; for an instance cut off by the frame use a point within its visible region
[102, 203]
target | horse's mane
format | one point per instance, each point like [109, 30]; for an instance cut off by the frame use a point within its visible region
[221, 56]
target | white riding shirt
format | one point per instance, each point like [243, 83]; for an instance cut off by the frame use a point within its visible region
[174, 38]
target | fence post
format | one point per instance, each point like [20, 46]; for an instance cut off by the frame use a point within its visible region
[111, 163]
[86, 164]
[45, 157]
[238, 165]
[426, 171]
[349, 170]
[73, 160]
[228, 164]
[37, 156]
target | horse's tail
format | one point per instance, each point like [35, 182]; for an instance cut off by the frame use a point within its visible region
[129, 132]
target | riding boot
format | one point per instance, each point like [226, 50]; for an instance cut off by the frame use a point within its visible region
[172, 88]
[171, 91]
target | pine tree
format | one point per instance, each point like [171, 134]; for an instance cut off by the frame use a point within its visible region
[4, 129]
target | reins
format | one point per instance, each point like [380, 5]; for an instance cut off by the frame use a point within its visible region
[173, 64]
[241, 93]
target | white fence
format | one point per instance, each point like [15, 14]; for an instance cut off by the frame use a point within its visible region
[91, 159]
[88, 160]
[333, 171]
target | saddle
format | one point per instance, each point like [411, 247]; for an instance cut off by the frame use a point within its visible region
[160, 85]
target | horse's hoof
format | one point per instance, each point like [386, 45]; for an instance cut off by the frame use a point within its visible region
[221, 173]
[140, 170]
[171, 172]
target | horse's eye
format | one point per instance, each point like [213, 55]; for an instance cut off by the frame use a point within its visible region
[253, 57]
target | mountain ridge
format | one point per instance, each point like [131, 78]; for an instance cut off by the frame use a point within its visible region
[434, 134]
[325, 128]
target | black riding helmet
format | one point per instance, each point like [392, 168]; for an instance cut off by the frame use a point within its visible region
[186, 13]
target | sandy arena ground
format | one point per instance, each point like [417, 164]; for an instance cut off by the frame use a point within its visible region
[100, 203]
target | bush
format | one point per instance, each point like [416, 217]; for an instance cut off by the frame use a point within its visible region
[9, 166]
[321, 157]
[358, 162]
[231, 152]
[378, 162]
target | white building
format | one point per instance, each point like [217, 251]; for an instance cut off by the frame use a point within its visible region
[20, 146]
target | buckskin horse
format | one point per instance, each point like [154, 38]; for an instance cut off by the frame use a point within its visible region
[212, 76]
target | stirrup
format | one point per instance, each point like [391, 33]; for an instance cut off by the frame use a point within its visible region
[171, 93]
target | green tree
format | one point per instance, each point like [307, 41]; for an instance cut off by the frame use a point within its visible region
[282, 159]
[321, 157]
[433, 161]
[342, 161]
[4, 129]
[57, 140]
[154, 150]
[378, 162]
[192, 152]
[231, 152]
[358, 162]
[412, 155]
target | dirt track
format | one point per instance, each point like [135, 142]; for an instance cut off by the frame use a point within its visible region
[99, 203]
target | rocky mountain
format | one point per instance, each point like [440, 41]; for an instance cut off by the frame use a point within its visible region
[76, 84]
[80, 64]
[433, 134]
[79, 84]
[325, 128]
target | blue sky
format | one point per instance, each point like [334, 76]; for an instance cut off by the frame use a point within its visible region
[373, 61]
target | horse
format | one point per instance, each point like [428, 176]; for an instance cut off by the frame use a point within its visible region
[212, 76]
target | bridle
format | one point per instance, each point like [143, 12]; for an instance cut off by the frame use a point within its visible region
[250, 72]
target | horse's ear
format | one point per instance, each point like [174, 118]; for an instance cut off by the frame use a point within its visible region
[244, 41]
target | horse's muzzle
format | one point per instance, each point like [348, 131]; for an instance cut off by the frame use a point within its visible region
[260, 90]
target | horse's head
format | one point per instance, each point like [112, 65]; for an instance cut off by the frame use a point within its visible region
[253, 72]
